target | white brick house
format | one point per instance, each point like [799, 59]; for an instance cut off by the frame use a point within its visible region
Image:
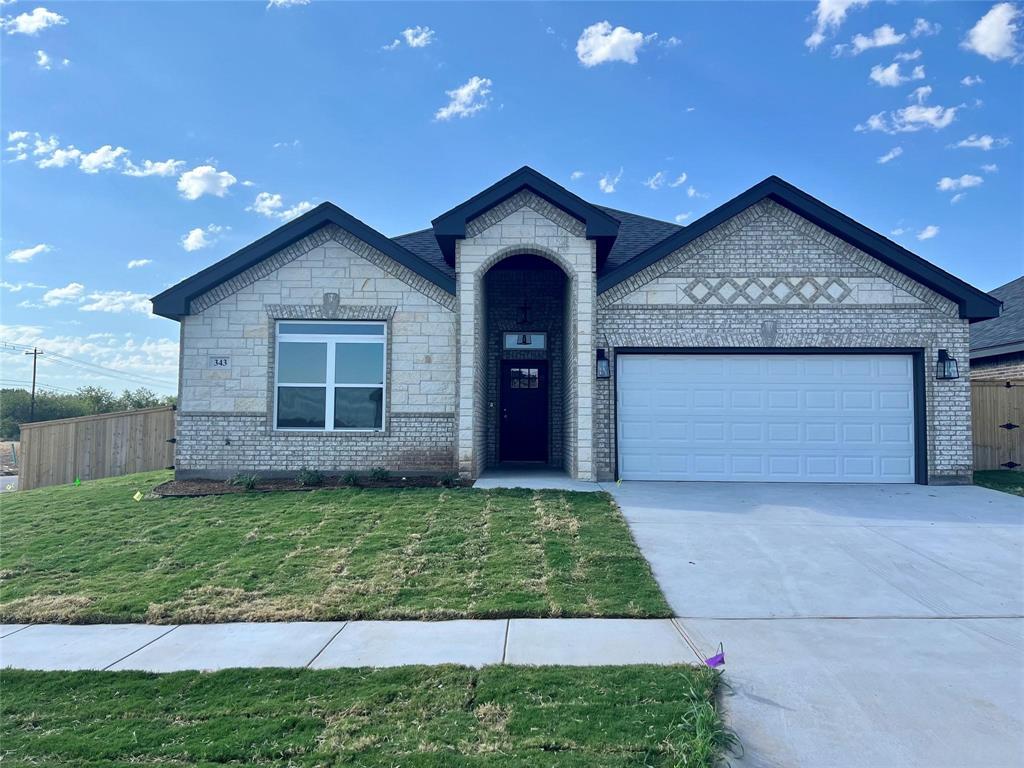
[774, 339]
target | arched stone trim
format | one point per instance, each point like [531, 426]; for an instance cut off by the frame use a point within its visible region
[526, 250]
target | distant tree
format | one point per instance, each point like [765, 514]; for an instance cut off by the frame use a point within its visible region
[15, 405]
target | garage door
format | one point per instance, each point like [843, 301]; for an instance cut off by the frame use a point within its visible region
[766, 417]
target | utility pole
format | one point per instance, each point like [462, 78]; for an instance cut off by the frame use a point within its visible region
[35, 357]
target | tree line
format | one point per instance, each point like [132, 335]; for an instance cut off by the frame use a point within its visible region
[16, 405]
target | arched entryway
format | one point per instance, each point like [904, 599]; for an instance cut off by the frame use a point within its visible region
[526, 317]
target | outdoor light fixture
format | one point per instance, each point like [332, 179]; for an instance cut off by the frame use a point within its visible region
[604, 368]
[946, 367]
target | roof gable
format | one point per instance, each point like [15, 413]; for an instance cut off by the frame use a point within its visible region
[973, 303]
[600, 225]
[174, 302]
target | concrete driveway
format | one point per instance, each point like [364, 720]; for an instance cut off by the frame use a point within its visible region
[864, 625]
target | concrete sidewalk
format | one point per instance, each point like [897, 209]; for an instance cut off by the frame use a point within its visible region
[323, 645]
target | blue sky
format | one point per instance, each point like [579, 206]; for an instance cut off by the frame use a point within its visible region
[248, 113]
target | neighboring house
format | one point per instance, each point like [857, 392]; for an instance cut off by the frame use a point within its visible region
[997, 345]
[772, 339]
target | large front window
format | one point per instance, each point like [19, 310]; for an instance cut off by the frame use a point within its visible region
[330, 375]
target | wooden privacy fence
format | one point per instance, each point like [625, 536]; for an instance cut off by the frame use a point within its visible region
[998, 417]
[88, 447]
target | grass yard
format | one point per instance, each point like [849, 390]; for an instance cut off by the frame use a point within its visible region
[409, 716]
[1004, 480]
[93, 554]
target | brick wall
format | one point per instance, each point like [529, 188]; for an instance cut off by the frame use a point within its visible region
[327, 275]
[525, 224]
[710, 294]
[1000, 367]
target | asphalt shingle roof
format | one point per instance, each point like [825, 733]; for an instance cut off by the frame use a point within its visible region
[636, 234]
[1008, 328]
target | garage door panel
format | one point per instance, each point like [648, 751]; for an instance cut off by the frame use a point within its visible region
[826, 418]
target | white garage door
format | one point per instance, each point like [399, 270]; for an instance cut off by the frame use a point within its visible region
[776, 418]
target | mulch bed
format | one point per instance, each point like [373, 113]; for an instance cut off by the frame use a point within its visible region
[220, 487]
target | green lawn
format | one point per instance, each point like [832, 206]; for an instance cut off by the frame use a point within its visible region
[596, 717]
[93, 554]
[1004, 480]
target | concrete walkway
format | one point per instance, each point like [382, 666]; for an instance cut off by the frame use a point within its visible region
[322, 645]
[864, 625]
[535, 478]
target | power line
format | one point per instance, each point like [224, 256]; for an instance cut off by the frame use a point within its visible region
[18, 383]
[90, 367]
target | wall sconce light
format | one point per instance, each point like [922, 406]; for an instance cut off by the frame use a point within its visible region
[604, 367]
[946, 367]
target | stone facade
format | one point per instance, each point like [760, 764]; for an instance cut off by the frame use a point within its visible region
[526, 224]
[771, 246]
[766, 278]
[224, 422]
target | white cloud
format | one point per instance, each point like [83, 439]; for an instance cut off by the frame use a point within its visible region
[17, 135]
[418, 37]
[149, 168]
[947, 184]
[970, 80]
[983, 142]
[680, 180]
[285, 3]
[829, 15]
[925, 28]
[892, 154]
[657, 181]
[913, 55]
[204, 180]
[607, 182]
[670, 42]
[957, 198]
[58, 158]
[466, 100]
[150, 357]
[136, 263]
[32, 23]
[116, 302]
[891, 76]
[681, 217]
[921, 94]
[272, 206]
[102, 159]
[392, 45]
[995, 34]
[23, 255]
[600, 43]
[576, 175]
[71, 292]
[691, 191]
[43, 59]
[198, 238]
[898, 231]
[882, 37]
[910, 119]
[928, 232]
[990, 168]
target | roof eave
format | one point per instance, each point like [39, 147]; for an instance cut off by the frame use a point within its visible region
[974, 304]
[173, 303]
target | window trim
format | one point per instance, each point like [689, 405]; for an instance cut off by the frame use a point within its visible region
[329, 385]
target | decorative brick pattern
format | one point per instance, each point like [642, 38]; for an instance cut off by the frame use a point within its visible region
[764, 239]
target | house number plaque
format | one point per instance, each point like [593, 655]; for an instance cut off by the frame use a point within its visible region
[220, 362]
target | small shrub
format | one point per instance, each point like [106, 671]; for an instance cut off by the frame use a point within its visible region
[310, 478]
[247, 480]
[379, 474]
[350, 478]
[449, 480]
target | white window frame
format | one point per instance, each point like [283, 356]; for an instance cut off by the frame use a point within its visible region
[331, 340]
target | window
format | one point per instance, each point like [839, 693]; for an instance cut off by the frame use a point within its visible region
[330, 375]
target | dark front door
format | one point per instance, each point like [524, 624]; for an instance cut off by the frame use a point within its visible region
[523, 432]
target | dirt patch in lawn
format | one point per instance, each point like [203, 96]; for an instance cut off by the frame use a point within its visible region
[199, 487]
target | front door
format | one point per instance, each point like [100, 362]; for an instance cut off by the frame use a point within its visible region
[523, 432]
